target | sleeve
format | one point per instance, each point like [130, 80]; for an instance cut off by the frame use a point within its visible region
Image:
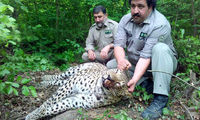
[115, 30]
[120, 37]
[159, 34]
[90, 41]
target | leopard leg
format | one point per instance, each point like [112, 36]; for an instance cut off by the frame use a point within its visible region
[50, 107]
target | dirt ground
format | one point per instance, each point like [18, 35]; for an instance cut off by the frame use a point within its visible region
[17, 107]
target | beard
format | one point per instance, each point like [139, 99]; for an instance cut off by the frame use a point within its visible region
[100, 25]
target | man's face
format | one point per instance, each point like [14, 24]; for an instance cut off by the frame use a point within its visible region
[99, 19]
[140, 10]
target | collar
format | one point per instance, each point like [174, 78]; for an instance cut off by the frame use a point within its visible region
[105, 22]
[148, 19]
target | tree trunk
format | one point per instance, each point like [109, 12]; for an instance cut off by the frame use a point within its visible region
[36, 11]
[194, 18]
[90, 16]
[57, 19]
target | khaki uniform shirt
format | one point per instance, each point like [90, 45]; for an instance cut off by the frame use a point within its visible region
[139, 39]
[98, 38]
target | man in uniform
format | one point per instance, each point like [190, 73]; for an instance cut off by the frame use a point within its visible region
[99, 43]
[146, 35]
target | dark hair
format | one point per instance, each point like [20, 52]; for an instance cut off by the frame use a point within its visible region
[98, 9]
[149, 3]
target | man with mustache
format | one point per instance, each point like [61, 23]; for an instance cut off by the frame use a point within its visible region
[145, 35]
[99, 43]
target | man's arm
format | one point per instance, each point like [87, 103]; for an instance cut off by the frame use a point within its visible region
[105, 50]
[90, 45]
[91, 55]
[140, 69]
[122, 62]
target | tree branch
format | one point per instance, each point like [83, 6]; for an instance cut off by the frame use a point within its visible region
[175, 77]
[187, 111]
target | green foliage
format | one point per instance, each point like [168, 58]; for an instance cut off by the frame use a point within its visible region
[70, 55]
[185, 31]
[106, 114]
[181, 17]
[15, 64]
[141, 94]
[189, 52]
[181, 117]
[167, 112]
[21, 62]
[82, 115]
[122, 116]
[8, 28]
[12, 85]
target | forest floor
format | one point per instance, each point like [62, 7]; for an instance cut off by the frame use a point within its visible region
[17, 107]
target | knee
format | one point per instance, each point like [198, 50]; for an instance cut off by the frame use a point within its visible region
[111, 64]
[160, 48]
[85, 56]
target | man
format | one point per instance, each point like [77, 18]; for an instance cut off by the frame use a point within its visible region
[146, 35]
[99, 43]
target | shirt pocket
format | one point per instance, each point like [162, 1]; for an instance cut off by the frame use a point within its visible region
[139, 44]
[110, 35]
[130, 38]
[108, 38]
[96, 37]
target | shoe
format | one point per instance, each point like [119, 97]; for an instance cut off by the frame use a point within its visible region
[148, 85]
[155, 109]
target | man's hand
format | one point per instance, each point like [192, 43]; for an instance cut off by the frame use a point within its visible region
[91, 55]
[140, 69]
[123, 64]
[131, 85]
[104, 52]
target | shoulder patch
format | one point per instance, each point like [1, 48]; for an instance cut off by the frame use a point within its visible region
[112, 22]
[93, 26]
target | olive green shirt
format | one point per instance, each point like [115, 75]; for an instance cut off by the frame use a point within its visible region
[98, 38]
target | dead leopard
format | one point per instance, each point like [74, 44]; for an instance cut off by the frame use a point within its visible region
[87, 85]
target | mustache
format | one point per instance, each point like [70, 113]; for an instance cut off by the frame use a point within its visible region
[136, 15]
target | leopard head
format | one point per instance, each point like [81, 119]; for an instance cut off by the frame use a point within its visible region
[116, 81]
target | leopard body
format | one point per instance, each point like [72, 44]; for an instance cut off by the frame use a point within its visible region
[87, 85]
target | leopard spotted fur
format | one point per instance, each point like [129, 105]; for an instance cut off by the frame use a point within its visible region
[87, 85]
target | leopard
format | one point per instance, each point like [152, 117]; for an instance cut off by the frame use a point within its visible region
[87, 85]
